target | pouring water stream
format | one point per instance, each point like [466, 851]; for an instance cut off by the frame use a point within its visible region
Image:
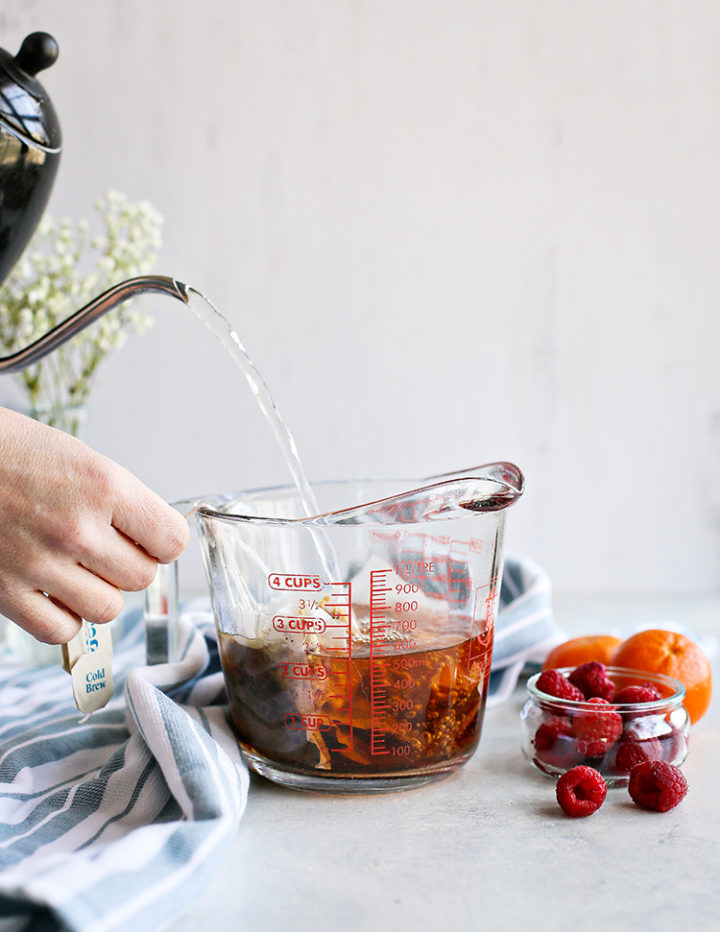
[206, 311]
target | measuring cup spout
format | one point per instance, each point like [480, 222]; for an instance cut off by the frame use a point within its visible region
[507, 474]
[91, 312]
[489, 488]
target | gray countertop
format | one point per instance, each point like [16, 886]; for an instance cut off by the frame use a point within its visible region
[487, 847]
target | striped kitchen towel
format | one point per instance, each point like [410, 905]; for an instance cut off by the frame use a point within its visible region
[525, 629]
[115, 822]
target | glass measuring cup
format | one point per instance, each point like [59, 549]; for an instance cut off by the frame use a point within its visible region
[356, 644]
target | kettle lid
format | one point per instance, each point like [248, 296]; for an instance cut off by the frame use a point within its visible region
[24, 104]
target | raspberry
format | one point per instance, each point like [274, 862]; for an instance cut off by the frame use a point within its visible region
[581, 791]
[646, 693]
[597, 731]
[658, 785]
[630, 752]
[550, 730]
[554, 744]
[592, 680]
[553, 683]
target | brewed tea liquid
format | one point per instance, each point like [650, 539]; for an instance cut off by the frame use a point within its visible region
[432, 703]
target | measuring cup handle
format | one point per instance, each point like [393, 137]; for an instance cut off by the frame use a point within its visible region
[160, 615]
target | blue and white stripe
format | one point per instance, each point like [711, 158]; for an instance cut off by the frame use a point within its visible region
[525, 629]
[115, 822]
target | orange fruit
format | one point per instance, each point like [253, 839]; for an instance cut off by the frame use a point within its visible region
[676, 655]
[572, 653]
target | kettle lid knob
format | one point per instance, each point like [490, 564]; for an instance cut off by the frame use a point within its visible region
[38, 51]
[24, 104]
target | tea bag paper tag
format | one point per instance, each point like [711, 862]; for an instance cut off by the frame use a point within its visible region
[92, 681]
[89, 638]
[88, 659]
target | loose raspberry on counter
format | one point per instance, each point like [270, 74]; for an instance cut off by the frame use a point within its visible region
[580, 791]
[597, 731]
[592, 680]
[658, 785]
[646, 693]
[553, 683]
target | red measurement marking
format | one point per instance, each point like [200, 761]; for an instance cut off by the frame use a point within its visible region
[299, 623]
[341, 665]
[294, 582]
[457, 570]
[302, 671]
[296, 722]
[379, 628]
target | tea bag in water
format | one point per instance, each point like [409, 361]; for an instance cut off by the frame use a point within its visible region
[88, 660]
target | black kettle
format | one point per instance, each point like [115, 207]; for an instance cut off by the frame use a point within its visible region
[30, 144]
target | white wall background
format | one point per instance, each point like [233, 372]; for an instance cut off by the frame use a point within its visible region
[448, 232]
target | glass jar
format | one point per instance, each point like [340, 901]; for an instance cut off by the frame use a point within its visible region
[558, 734]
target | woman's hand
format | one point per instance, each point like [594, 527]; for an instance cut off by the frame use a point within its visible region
[75, 529]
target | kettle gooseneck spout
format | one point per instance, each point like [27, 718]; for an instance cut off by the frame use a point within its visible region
[87, 315]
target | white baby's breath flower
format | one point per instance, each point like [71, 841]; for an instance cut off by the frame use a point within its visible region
[106, 264]
[41, 323]
[46, 227]
[53, 265]
[57, 308]
[36, 296]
